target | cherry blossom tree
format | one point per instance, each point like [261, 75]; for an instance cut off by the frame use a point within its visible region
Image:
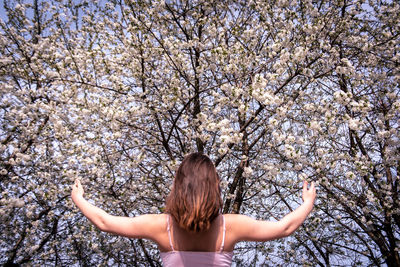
[117, 92]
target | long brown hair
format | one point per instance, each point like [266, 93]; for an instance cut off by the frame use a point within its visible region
[195, 199]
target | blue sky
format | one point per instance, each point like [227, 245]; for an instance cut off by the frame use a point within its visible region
[2, 11]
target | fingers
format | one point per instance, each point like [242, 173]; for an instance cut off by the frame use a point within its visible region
[312, 191]
[312, 187]
[77, 183]
[309, 194]
[305, 185]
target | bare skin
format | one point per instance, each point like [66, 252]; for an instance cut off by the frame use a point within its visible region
[238, 227]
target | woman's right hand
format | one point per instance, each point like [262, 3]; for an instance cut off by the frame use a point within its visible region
[77, 189]
[309, 194]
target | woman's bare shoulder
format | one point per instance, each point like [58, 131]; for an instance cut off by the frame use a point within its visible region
[150, 225]
[235, 225]
[237, 220]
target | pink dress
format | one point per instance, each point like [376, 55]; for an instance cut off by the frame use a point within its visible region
[175, 258]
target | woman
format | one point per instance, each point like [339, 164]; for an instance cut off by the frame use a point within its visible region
[193, 232]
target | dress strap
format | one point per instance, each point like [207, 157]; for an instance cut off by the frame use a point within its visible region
[223, 234]
[169, 233]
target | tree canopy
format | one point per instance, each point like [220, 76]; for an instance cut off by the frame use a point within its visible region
[275, 92]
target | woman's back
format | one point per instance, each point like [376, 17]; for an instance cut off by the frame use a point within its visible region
[196, 249]
[210, 240]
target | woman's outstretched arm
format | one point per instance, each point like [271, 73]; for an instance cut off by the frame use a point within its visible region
[246, 228]
[145, 226]
[293, 220]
